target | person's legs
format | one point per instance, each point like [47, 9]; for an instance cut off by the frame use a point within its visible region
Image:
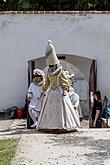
[80, 114]
[99, 123]
[34, 115]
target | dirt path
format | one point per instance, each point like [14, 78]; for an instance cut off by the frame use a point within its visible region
[86, 147]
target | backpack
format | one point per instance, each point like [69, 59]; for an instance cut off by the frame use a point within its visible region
[106, 108]
[106, 113]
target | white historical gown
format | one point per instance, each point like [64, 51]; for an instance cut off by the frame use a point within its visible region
[57, 111]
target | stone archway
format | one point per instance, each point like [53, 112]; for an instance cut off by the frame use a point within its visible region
[86, 66]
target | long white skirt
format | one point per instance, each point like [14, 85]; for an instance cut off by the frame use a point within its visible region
[58, 112]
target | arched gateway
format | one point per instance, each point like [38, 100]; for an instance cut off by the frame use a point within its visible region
[85, 79]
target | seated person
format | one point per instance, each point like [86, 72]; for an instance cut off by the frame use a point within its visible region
[74, 97]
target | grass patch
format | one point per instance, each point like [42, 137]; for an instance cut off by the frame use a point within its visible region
[7, 150]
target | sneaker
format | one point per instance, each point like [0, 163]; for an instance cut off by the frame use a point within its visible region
[80, 118]
[34, 125]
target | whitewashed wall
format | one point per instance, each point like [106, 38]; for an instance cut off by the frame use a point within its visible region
[24, 37]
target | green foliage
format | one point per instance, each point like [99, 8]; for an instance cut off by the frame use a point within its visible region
[100, 5]
[55, 5]
[28, 5]
[24, 5]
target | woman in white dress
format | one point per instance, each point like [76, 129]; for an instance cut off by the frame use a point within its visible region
[34, 95]
[57, 112]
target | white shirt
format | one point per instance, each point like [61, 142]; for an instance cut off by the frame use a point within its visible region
[34, 92]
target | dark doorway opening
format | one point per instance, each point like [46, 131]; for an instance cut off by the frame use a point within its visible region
[85, 76]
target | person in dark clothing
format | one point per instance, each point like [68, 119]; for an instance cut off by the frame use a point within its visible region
[97, 110]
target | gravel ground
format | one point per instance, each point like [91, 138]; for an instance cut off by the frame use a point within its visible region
[5, 124]
[85, 147]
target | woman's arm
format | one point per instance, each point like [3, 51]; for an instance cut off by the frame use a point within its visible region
[64, 82]
[96, 117]
[46, 84]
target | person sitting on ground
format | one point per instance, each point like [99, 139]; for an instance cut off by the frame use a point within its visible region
[34, 95]
[74, 97]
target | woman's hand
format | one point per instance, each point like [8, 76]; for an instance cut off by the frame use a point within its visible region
[64, 93]
[29, 99]
[42, 94]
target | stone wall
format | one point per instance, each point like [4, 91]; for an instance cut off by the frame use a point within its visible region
[24, 35]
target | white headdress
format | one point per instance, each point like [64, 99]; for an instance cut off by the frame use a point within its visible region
[38, 72]
[50, 53]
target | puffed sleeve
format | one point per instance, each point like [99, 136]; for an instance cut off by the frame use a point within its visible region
[46, 84]
[64, 81]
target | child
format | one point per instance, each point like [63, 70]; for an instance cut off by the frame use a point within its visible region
[34, 95]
